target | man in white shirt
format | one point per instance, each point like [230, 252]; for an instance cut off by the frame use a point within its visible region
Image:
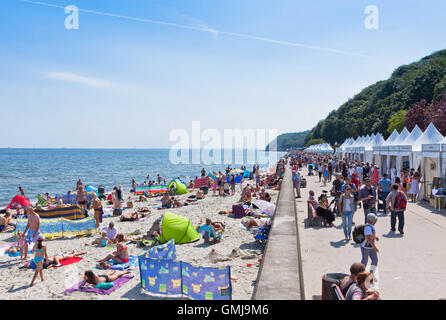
[111, 231]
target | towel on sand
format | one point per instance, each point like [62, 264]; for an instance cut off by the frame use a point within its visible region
[116, 285]
[132, 264]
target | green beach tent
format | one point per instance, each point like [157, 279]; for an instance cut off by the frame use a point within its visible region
[178, 228]
[181, 187]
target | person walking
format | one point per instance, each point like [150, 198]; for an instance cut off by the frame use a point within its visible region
[384, 189]
[396, 203]
[368, 246]
[368, 197]
[296, 183]
[346, 208]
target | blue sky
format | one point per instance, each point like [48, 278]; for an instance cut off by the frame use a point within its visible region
[121, 83]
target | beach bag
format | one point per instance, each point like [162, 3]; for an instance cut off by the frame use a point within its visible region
[400, 202]
[358, 234]
[129, 204]
[117, 212]
[238, 211]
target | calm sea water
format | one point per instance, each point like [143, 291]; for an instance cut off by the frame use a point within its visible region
[57, 170]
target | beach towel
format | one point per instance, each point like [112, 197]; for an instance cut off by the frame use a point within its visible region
[116, 285]
[251, 229]
[64, 262]
[67, 262]
[132, 264]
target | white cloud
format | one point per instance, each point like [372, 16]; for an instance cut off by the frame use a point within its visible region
[75, 78]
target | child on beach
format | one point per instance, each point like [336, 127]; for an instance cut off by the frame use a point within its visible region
[21, 243]
[39, 258]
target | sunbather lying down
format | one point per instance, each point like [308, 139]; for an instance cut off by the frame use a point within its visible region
[68, 255]
[250, 224]
[133, 216]
[93, 280]
[145, 209]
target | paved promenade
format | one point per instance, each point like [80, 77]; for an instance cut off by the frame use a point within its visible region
[279, 277]
[411, 266]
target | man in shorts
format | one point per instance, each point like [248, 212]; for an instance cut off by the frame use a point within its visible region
[32, 227]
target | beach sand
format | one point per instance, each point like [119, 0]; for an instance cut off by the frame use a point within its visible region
[15, 282]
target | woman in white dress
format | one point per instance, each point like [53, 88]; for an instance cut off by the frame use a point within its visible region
[392, 175]
[414, 187]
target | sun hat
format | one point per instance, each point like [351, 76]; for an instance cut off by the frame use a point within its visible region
[40, 237]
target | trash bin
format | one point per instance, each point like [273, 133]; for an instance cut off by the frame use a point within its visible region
[327, 281]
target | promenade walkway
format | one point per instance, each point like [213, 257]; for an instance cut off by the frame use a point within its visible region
[279, 277]
[411, 266]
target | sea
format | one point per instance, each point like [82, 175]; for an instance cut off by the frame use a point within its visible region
[55, 171]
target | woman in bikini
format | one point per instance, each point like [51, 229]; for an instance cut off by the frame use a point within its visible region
[39, 258]
[93, 280]
[98, 210]
[121, 254]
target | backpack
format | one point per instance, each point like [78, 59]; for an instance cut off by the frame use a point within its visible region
[400, 202]
[358, 234]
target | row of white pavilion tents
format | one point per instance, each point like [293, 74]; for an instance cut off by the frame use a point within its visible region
[416, 149]
[320, 148]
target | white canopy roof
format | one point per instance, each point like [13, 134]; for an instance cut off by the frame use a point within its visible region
[414, 135]
[392, 138]
[403, 135]
[430, 136]
[376, 141]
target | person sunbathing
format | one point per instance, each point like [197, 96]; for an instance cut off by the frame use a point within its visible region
[57, 258]
[121, 254]
[142, 198]
[250, 224]
[145, 209]
[5, 223]
[134, 216]
[93, 280]
[178, 204]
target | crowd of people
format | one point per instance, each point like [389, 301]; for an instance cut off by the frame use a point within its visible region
[356, 186]
[222, 182]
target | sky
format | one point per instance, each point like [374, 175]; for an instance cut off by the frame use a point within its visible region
[136, 70]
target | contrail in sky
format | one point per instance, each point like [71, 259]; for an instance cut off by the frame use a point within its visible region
[205, 29]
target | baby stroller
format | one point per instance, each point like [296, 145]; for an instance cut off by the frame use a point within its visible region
[311, 169]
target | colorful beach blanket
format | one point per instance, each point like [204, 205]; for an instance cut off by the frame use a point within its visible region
[116, 285]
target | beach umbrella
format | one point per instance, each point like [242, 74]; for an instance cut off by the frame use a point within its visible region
[265, 207]
[19, 200]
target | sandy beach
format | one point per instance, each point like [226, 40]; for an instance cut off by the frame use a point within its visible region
[15, 282]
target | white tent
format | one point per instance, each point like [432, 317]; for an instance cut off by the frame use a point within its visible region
[426, 153]
[382, 150]
[377, 141]
[396, 159]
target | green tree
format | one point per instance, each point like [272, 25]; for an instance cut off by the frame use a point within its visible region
[314, 141]
[397, 121]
